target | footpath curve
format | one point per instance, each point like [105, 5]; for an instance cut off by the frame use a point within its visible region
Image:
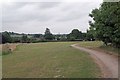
[108, 63]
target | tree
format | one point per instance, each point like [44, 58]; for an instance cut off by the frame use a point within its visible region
[89, 36]
[48, 35]
[84, 36]
[106, 25]
[74, 35]
[6, 38]
[40, 36]
[24, 38]
[0, 38]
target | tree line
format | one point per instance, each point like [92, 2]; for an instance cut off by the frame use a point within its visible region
[106, 24]
[75, 35]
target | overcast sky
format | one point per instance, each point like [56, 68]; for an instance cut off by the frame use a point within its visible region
[59, 17]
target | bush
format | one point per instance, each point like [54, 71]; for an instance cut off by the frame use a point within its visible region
[6, 49]
[6, 52]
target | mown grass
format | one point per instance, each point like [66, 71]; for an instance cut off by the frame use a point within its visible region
[49, 60]
[99, 45]
[91, 44]
[111, 49]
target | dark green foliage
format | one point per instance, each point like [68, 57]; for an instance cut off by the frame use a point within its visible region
[89, 36]
[16, 39]
[107, 23]
[6, 38]
[38, 35]
[48, 35]
[6, 52]
[24, 38]
[60, 37]
[75, 35]
[84, 36]
[0, 38]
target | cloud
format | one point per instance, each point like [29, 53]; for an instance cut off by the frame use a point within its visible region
[76, 11]
[49, 4]
[34, 17]
[20, 12]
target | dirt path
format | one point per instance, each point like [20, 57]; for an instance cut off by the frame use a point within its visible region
[107, 63]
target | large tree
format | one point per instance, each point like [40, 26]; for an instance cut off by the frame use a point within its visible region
[24, 38]
[89, 36]
[106, 25]
[48, 35]
[74, 35]
[6, 38]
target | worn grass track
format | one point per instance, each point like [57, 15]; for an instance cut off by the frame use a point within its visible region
[53, 59]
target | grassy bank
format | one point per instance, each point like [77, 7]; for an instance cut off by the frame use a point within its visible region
[98, 45]
[53, 59]
[8, 48]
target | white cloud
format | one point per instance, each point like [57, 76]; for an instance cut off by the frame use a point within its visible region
[34, 17]
[51, 1]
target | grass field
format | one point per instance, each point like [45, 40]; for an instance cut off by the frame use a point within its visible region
[91, 44]
[49, 60]
[99, 45]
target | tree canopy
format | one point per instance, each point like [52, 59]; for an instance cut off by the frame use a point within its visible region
[48, 35]
[6, 38]
[75, 35]
[24, 38]
[106, 25]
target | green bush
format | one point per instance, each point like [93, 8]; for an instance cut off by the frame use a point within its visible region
[6, 52]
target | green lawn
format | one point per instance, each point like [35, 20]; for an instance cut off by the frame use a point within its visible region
[91, 44]
[99, 45]
[53, 59]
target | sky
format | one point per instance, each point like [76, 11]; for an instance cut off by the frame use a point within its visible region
[35, 16]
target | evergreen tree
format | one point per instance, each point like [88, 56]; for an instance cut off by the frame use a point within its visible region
[48, 35]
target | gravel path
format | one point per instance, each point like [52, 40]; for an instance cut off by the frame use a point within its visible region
[107, 63]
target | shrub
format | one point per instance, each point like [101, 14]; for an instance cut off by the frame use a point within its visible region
[6, 52]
